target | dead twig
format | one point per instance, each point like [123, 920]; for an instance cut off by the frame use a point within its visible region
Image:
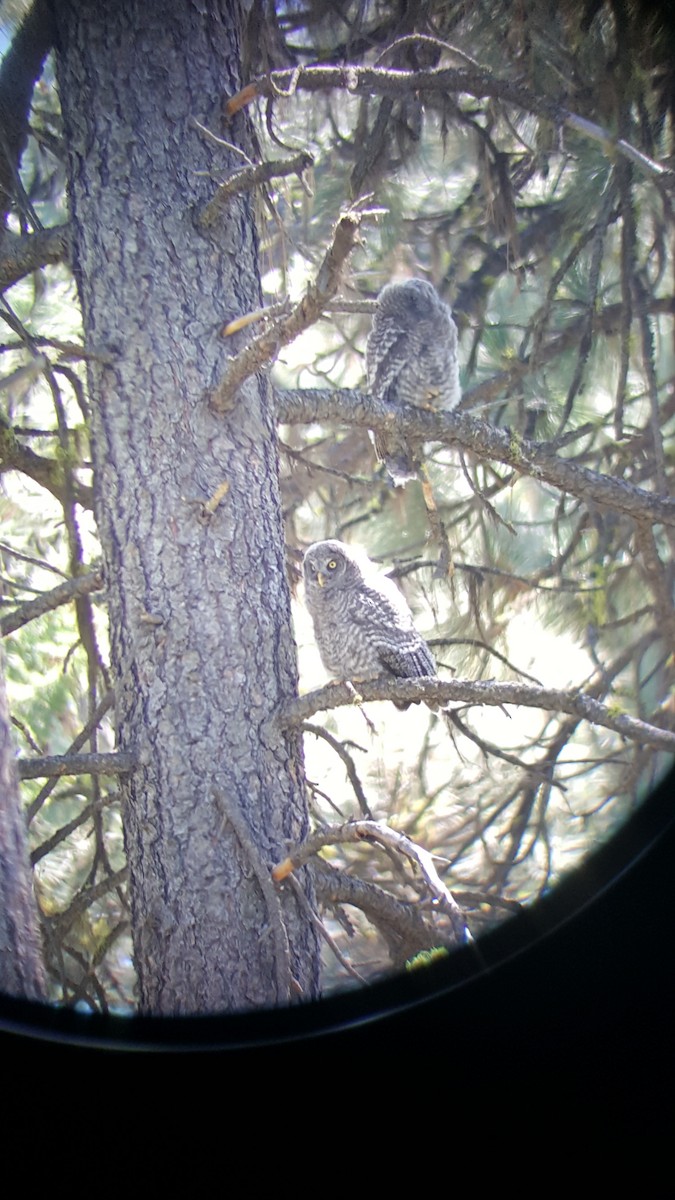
[377, 831]
[116, 763]
[264, 348]
[246, 178]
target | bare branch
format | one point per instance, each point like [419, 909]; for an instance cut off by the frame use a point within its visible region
[377, 831]
[265, 347]
[322, 931]
[49, 473]
[440, 692]
[438, 80]
[352, 407]
[118, 762]
[400, 922]
[65, 831]
[21, 255]
[346, 758]
[61, 922]
[82, 738]
[245, 179]
[82, 585]
[531, 770]
[589, 129]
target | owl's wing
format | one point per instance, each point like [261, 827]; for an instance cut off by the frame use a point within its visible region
[383, 614]
[408, 658]
[374, 607]
[387, 353]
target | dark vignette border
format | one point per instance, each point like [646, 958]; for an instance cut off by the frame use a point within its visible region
[590, 966]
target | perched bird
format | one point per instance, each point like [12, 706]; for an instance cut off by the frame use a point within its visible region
[411, 358]
[362, 624]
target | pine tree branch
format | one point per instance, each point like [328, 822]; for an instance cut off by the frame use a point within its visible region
[116, 763]
[400, 922]
[20, 70]
[65, 831]
[245, 179]
[351, 407]
[20, 255]
[464, 691]
[608, 322]
[84, 736]
[46, 471]
[347, 760]
[321, 929]
[59, 924]
[475, 82]
[378, 831]
[264, 348]
[82, 585]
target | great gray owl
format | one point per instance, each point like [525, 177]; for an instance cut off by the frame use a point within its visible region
[362, 624]
[411, 358]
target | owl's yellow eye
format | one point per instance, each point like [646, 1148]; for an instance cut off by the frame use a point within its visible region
[331, 565]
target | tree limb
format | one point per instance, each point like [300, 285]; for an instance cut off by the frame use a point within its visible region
[247, 178]
[346, 758]
[322, 931]
[20, 255]
[84, 736]
[438, 80]
[65, 831]
[377, 831]
[20, 70]
[607, 322]
[351, 407]
[401, 923]
[47, 472]
[116, 763]
[82, 585]
[266, 346]
[441, 692]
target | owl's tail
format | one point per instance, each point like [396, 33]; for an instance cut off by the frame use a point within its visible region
[401, 470]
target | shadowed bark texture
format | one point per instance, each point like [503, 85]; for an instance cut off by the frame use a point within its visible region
[21, 967]
[202, 646]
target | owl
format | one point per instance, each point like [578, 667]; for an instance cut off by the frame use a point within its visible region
[362, 624]
[411, 358]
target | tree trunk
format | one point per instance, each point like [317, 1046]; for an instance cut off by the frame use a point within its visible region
[21, 966]
[201, 637]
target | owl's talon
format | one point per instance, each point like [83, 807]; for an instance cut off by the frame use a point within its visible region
[430, 402]
[357, 698]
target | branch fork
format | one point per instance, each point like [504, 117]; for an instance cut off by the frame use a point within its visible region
[263, 349]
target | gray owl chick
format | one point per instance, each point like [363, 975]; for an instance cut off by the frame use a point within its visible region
[411, 358]
[362, 624]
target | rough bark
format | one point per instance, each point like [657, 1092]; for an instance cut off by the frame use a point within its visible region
[202, 646]
[21, 966]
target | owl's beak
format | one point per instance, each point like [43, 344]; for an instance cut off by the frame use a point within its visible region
[321, 579]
